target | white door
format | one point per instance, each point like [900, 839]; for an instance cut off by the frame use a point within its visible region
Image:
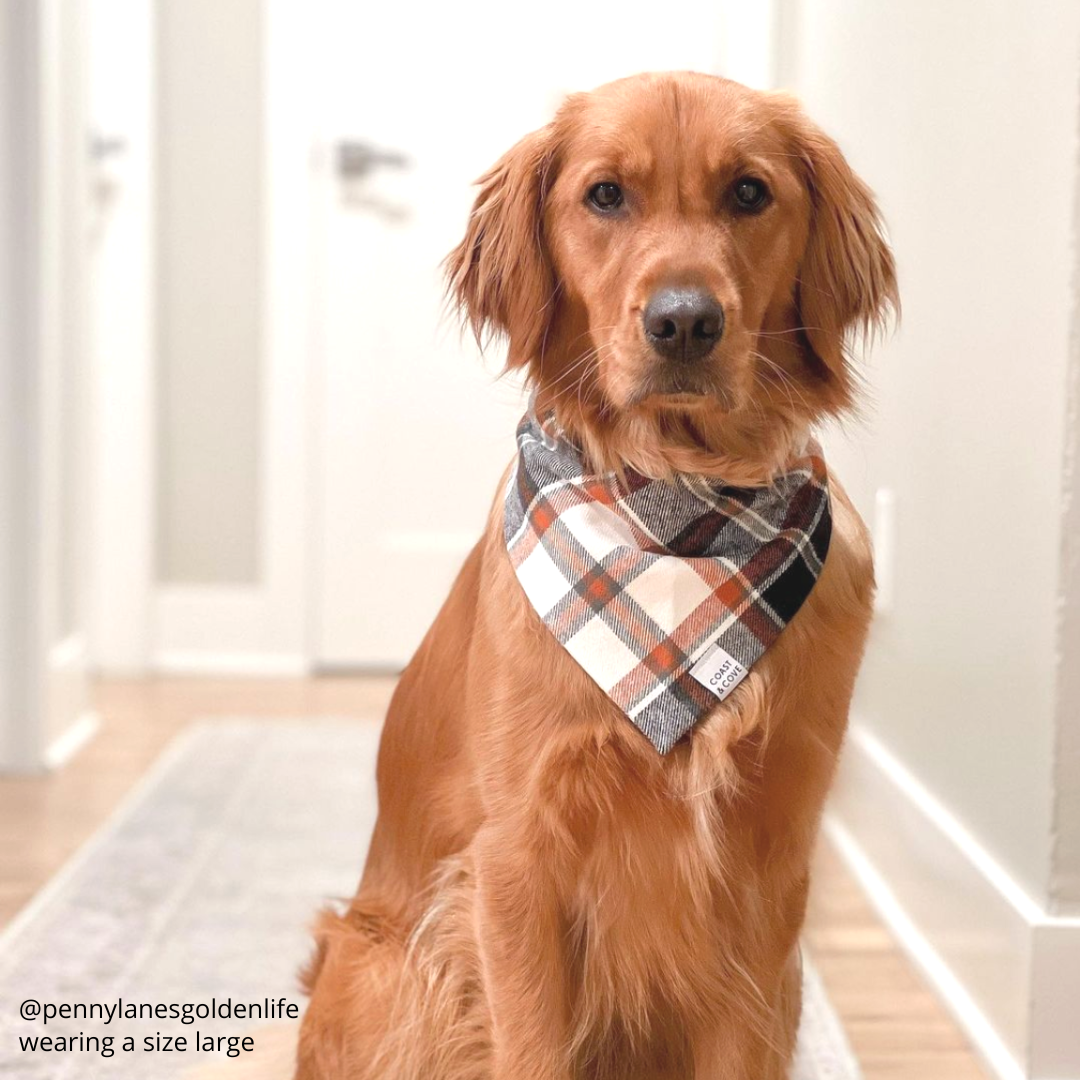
[412, 429]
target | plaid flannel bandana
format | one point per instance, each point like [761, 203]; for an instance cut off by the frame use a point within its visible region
[665, 594]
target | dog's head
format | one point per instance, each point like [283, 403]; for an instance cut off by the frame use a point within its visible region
[678, 262]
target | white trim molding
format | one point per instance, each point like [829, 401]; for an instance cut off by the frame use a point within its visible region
[68, 743]
[122, 357]
[70, 721]
[1008, 969]
[224, 630]
[43, 683]
[1065, 868]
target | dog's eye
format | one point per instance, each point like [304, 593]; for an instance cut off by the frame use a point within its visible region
[750, 194]
[605, 196]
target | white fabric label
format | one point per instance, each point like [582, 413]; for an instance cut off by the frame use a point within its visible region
[719, 672]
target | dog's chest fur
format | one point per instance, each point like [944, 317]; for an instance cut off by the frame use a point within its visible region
[657, 855]
[682, 875]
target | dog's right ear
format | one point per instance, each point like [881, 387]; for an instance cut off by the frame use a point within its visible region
[500, 275]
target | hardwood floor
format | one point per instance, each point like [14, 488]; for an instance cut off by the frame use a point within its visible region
[897, 1027]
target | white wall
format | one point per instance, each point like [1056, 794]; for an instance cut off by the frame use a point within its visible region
[19, 740]
[964, 121]
[963, 116]
[210, 241]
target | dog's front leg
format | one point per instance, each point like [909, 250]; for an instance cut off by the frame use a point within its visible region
[521, 951]
[757, 1041]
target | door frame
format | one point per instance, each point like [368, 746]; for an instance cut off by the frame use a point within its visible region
[44, 699]
[122, 401]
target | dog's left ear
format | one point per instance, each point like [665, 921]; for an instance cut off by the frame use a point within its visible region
[500, 275]
[847, 277]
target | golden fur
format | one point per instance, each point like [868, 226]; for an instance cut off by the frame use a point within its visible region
[546, 897]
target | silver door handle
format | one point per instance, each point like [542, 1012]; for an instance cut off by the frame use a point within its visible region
[356, 159]
[104, 147]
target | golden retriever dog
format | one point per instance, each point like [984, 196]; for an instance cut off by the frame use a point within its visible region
[547, 897]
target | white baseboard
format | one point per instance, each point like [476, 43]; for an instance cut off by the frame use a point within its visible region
[1008, 970]
[66, 745]
[224, 630]
[209, 662]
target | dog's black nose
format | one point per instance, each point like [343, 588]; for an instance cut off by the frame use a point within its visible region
[683, 322]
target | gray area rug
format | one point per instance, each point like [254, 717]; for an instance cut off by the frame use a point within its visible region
[202, 886]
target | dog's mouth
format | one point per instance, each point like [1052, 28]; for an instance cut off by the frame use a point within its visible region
[669, 388]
